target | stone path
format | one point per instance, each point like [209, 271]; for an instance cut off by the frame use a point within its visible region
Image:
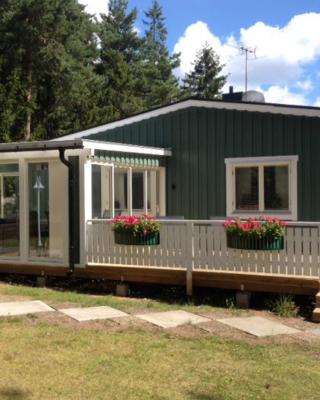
[23, 307]
[93, 313]
[172, 319]
[256, 326]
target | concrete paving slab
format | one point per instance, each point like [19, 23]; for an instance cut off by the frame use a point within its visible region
[258, 326]
[315, 331]
[172, 319]
[93, 313]
[23, 307]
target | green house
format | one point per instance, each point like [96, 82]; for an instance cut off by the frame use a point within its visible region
[193, 163]
[227, 159]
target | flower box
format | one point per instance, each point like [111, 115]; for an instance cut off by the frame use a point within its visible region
[130, 240]
[264, 233]
[136, 231]
[263, 243]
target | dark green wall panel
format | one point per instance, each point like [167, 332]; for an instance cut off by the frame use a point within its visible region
[202, 138]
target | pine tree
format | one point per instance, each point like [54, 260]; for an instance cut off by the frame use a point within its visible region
[160, 84]
[119, 61]
[205, 80]
[47, 51]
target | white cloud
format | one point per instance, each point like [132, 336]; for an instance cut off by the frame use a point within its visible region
[282, 94]
[317, 102]
[305, 85]
[95, 7]
[283, 53]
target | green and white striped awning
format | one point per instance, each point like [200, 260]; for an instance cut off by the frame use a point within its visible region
[136, 160]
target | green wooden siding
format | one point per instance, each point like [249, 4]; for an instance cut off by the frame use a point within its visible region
[202, 138]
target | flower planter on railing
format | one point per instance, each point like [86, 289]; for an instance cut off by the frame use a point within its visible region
[264, 243]
[129, 240]
[136, 231]
[264, 233]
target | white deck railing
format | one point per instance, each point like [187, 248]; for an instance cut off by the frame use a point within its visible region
[201, 245]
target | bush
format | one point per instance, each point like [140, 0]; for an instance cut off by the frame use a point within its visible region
[284, 306]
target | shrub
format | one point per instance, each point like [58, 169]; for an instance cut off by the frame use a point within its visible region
[284, 306]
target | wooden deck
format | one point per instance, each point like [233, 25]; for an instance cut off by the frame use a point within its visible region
[210, 279]
[255, 282]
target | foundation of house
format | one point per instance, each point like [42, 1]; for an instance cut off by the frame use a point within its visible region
[243, 299]
[122, 289]
[41, 281]
[316, 311]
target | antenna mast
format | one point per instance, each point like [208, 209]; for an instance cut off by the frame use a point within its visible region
[247, 51]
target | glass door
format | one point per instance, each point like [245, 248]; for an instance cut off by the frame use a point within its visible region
[47, 210]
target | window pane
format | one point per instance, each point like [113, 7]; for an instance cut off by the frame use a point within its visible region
[120, 191]
[137, 191]
[247, 188]
[153, 193]
[9, 221]
[276, 188]
[39, 210]
[96, 191]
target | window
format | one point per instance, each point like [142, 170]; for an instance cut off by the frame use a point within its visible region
[121, 190]
[9, 210]
[266, 185]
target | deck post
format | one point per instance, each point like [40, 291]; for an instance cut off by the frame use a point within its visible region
[316, 311]
[189, 257]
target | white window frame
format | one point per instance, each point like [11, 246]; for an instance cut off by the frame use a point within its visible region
[261, 162]
[130, 169]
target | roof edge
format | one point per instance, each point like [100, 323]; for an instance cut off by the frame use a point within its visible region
[285, 109]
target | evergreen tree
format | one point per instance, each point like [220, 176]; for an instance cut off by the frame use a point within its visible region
[205, 80]
[47, 51]
[119, 61]
[160, 84]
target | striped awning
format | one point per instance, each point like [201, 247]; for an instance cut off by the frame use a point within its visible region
[130, 159]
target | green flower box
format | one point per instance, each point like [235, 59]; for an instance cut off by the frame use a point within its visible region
[138, 240]
[264, 243]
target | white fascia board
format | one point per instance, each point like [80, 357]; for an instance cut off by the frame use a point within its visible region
[38, 154]
[260, 160]
[216, 104]
[125, 148]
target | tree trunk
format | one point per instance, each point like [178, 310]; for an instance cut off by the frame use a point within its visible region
[27, 134]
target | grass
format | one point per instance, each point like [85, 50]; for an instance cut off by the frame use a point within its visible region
[70, 296]
[49, 362]
[41, 360]
[283, 306]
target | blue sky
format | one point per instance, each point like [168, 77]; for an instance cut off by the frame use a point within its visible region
[285, 34]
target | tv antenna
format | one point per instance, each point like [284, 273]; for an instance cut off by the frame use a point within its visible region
[247, 51]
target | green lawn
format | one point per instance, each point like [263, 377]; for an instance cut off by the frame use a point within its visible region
[42, 360]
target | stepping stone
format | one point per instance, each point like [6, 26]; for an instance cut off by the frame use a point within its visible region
[23, 307]
[93, 313]
[172, 319]
[315, 331]
[258, 326]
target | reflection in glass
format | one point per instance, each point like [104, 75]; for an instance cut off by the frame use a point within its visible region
[120, 191]
[247, 188]
[9, 221]
[276, 188]
[38, 210]
[137, 192]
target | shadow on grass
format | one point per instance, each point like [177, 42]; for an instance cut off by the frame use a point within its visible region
[166, 294]
[13, 394]
[205, 396]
